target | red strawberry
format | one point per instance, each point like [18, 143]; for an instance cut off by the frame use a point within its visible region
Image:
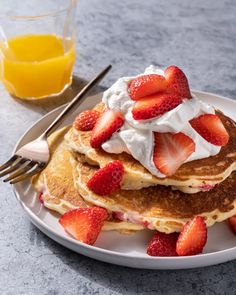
[177, 82]
[40, 196]
[146, 85]
[171, 151]
[192, 238]
[211, 128]
[232, 223]
[108, 123]
[107, 179]
[86, 120]
[155, 105]
[163, 244]
[84, 224]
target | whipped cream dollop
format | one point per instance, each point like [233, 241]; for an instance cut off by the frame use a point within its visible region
[136, 136]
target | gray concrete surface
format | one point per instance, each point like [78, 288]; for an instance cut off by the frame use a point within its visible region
[200, 37]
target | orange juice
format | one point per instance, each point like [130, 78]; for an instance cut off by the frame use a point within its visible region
[35, 66]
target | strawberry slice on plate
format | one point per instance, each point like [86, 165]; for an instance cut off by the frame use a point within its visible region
[163, 244]
[171, 151]
[211, 128]
[155, 105]
[146, 85]
[86, 120]
[107, 179]
[108, 123]
[177, 82]
[40, 197]
[84, 224]
[192, 238]
[232, 223]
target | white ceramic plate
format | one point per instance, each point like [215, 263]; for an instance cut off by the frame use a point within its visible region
[113, 247]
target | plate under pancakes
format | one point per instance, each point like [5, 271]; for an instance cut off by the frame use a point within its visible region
[57, 184]
[160, 207]
[191, 177]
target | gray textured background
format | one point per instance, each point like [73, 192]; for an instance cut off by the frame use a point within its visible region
[198, 36]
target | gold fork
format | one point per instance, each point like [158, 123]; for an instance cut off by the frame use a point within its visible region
[34, 156]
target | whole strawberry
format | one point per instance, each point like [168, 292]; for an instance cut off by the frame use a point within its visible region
[107, 179]
[86, 120]
[163, 244]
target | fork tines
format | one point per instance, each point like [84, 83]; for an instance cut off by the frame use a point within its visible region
[18, 168]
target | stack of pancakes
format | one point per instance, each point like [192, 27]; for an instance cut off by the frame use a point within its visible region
[204, 187]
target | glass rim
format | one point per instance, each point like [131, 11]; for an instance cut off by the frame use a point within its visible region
[52, 13]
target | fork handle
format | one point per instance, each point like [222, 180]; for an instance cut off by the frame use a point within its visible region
[76, 102]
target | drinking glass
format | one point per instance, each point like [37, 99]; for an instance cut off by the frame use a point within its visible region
[37, 47]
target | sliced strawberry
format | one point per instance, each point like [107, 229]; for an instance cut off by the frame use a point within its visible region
[146, 85]
[84, 224]
[107, 179]
[192, 238]
[40, 197]
[163, 244]
[232, 223]
[86, 120]
[155, 105]
[108, 123]
[171, 151]
[177, 82]
[211, 128]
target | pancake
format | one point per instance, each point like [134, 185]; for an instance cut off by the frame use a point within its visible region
[191, 177]
[160, 207]
[56, 182]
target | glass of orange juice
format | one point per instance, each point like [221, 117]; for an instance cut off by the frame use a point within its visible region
[37, 48]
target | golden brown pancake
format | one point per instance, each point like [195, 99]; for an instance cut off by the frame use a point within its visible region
[191, 177]
[56, 182]
[160, 207]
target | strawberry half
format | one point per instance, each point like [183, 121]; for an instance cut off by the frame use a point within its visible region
[108, 123]
[211, 128]
[171, 151]
[86, 120]
[84, 224]
[177, 82]
[40, 197]
[146, 85]
[107, 179]
[155, 105]
[163, 244]
[232, 223]
[192, 238]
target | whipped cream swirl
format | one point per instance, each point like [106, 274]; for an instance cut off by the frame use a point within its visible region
[136, 136]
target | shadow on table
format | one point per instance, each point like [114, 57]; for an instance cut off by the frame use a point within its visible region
[48, 104]
[123, 280]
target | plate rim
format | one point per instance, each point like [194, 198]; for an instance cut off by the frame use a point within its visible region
[67, 239]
